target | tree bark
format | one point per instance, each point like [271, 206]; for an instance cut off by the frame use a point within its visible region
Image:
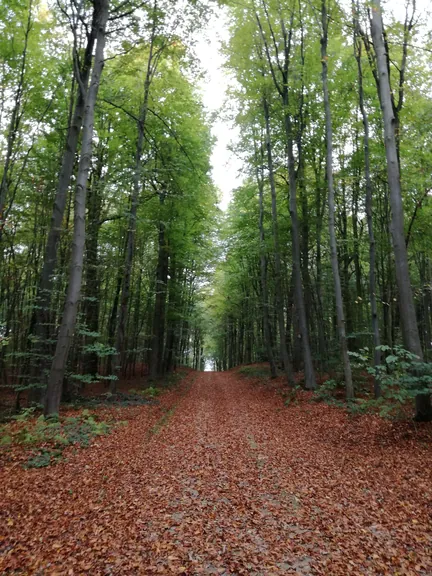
[264, 288]
[131, 230]
[406, 301]
[41, 324]
[368, 181]
[331, 204]
[309, 373]
[157, 351]
[278, 285]
[91, 304]
[55, 381]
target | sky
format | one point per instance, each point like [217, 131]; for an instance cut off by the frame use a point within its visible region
[227, 167]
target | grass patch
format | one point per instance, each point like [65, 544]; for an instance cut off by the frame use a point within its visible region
[163, 421]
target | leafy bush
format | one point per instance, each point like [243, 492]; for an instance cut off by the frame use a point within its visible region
[401, 377]
[290, 395]
[43, 459]
[327, 390]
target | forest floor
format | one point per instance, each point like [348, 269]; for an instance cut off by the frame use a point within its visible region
[221, 478]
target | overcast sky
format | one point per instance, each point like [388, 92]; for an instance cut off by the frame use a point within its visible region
[226, 167]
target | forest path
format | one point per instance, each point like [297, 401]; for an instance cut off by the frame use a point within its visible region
[229, 481]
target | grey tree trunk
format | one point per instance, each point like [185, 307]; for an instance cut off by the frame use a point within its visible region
[41, 328]
[331, 205]
[157, 345]
[131, 231]
[309, 373]
[278, 285]
[282, 88]
[58, 367]
[372, 248]
[91, 305]
[406, 301]
[263, 268]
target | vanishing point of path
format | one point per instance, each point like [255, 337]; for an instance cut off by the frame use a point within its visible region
[229, 481]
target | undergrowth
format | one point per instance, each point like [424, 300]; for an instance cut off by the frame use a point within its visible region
[401, 377]
[48, 437]
[261, 372]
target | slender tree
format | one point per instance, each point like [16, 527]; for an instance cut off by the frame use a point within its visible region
[55, 381]
[331, 206]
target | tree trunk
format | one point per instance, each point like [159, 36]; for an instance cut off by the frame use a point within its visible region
[41, 325]
[91, 304]
[131, 230]
[55, 381]
[309, 373]
[157, 351]
[278, 285]
[372, 250]
[406, 301]
[331, 204]
[263, 269]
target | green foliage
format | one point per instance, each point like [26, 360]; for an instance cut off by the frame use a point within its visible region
[101, 350]
[53, 433]
[401, 377]
[25, 414]
[291, 395]
[326, 391]
[261, 372]
[5, 439]
[43, 459]
[150, 392]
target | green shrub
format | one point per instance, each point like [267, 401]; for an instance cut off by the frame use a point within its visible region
[401, 377]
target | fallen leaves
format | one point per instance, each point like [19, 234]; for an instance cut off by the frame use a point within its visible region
[230, 484]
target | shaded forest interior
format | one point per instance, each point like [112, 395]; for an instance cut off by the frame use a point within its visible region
[116, 261]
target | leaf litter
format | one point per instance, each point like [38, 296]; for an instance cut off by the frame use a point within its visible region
[232, 483]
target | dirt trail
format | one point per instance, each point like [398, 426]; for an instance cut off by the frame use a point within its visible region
[228, 482]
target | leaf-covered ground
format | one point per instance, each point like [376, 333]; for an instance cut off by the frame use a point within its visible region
[221, 478]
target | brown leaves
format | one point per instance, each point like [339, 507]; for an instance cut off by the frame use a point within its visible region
[231, 484]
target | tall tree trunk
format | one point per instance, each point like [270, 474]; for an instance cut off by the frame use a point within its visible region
[157, 351]
[309, 373]
[331, 204]
[42, 320]
[278, 284]
[263, 264]
[372, 249]
[55, 381]
[131, 230]
[406, 301]
[173, 314]
[92, 283]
